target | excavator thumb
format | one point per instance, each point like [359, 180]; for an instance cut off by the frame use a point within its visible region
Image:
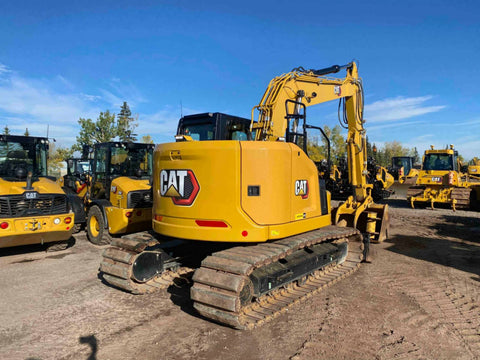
[368, 217]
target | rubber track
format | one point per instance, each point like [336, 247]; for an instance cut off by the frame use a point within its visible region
[118, 259]
[219, 281]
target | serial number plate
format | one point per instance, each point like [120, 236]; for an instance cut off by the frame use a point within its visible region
[437, 179]
[31, 195]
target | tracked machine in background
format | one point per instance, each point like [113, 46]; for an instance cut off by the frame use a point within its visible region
[337, 180]
[33, 207]
[441, 181]
[119, 197]
[264, 203]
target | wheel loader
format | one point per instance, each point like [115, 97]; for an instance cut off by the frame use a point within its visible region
[33, 207]
[77, 177]
[441, 181]
[119, 196]
[263, 201]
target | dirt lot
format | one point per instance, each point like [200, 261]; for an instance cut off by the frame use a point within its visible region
[419, 299]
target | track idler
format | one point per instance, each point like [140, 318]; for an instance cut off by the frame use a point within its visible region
[148, 265]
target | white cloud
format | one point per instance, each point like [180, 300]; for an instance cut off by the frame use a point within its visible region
[399, 108]
[394, 125]
[36, 104]
[4, 69]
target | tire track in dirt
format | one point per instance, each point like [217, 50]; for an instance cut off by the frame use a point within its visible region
[453, 305]
[303, 351]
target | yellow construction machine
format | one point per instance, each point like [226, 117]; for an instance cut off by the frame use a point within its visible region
[441, 181]
[403, 169]
[119, 196]
[77, 176]
[33, 207]
[262, 200]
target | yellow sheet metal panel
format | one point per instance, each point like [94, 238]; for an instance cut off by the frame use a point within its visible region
[305, 194]
[268, 166]
[35, 230]
[137, 220]
[42, 185]
[200, 181]
[122, 186]
[200, 194]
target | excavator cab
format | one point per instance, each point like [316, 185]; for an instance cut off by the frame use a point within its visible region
[214, 126]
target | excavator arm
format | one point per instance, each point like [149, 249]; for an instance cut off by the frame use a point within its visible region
[284, 104]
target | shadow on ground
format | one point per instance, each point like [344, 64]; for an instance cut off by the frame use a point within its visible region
[438, 250]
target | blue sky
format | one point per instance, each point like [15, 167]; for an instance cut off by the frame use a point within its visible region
[62, 60]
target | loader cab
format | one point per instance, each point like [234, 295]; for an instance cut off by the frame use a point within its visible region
[21, 155]
[214, 126]
[401, 166]
[78, 170]
[118, 159]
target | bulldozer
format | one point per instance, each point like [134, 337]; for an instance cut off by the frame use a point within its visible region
[33, 207]
[264, 202]
[441, 181]
[119, 195]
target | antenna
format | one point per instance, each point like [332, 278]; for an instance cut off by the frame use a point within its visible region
[181, 109]
[48, 125]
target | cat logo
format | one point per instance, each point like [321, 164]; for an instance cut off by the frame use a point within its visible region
[180, 185]
[337, 90]
[301, 188]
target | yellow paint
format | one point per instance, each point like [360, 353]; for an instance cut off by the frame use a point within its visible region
[223, 190]
[119, 223]
[35, 230]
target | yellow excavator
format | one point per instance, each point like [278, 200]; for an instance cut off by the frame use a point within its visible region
[33, 207]
[263, 201]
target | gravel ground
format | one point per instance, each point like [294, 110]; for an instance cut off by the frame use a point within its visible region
[418, 299]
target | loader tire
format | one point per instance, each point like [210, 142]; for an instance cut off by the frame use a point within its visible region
[96, 232]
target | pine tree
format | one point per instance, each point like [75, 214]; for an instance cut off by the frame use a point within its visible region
[104, 129]
[6, 130]
[126, 124]
[416, 156]
[26, 132]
